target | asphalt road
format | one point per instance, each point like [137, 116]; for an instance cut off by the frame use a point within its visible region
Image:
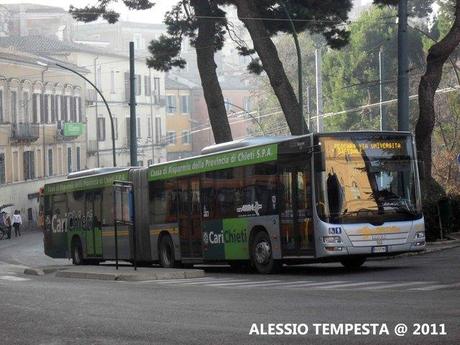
[221, 308]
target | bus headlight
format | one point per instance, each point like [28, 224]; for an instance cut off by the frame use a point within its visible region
[419, 235]
[332, 239]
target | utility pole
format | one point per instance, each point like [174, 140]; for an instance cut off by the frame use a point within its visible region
[98, 159]
[382, 122]
[132, 108]
[403, 68]
[319, 92]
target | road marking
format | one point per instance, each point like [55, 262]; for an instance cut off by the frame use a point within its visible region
[244, 284]
[214, 281]
[436, 287]
[347, 285]
[381, 287]
[13, 278]
[171, 281]
[283, 284]
[301, 285]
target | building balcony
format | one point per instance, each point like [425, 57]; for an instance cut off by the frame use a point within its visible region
[25, 132]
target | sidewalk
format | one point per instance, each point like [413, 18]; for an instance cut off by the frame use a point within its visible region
[124, 273]
[452, 241]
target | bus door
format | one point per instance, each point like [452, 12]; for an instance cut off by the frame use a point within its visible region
[190, 231]
[295, 209]
[93, 238]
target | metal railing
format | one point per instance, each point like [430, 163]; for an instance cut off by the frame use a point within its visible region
[25, 131]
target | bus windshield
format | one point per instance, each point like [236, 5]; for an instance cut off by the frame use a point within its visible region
[367, 180]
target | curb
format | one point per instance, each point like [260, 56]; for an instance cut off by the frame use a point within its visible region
[431, 249]
[130, 276]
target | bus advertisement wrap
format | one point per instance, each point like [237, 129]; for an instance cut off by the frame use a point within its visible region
[226, 239]
[226, 160]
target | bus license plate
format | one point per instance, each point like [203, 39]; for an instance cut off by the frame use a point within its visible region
[381, 249]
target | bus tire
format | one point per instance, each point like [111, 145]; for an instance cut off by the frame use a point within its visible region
[262, 254]
[77, 252]
[166, 252]
[353, 263]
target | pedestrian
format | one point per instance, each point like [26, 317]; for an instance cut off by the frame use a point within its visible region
[8, 225]
[17, 221]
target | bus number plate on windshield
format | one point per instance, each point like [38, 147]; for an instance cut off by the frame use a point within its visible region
[381, 249]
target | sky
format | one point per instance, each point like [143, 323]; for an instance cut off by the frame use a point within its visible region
[153, 16]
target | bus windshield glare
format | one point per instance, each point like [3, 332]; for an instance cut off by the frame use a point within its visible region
[367, 180]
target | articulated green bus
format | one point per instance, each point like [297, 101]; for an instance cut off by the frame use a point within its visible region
[265, 201]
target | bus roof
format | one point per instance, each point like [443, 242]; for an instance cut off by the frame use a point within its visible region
[88, 179]
[222, 156]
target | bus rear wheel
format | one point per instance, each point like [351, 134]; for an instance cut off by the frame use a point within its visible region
[262, 254]
[166, 252]
[77, 252]
[353, 263]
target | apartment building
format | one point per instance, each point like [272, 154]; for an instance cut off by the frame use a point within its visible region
[179, 123]
[42, 126]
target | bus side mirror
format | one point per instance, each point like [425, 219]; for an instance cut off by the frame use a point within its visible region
[320, 162]
[421, 170]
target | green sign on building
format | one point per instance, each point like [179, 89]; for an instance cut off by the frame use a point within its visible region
[73, 129]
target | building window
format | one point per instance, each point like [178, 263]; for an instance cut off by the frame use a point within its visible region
[138, 84]
[100, 129]
[35, 102]
[140, 163]
[63, 102]
[50, 162]
[149, 127]
[149, 162]
[170, 104]
[115, 127]
[147, 85]
[2, 118]
[69, 160]
[185, 137]
[29, 165]
[14, 106]
[44, 105]
[138, 127]
[112, 81]
[156, 89]
[138, 41]
[79, 112]
[171, 138]
[25, 102]
[157, 130]
[73, 109]
[2, 168]
[78, 159]
[184, 104]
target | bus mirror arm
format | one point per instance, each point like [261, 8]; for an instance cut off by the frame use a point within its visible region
[320, 162]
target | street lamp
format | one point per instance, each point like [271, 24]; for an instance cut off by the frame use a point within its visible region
[103, 98]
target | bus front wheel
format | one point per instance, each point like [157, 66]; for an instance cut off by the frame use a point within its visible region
[262, 254]
[353, 263]
[77, 252]
[166, 251]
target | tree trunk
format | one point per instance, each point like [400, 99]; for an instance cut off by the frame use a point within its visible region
[272, 65]
[437, 56]
[207, 69]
